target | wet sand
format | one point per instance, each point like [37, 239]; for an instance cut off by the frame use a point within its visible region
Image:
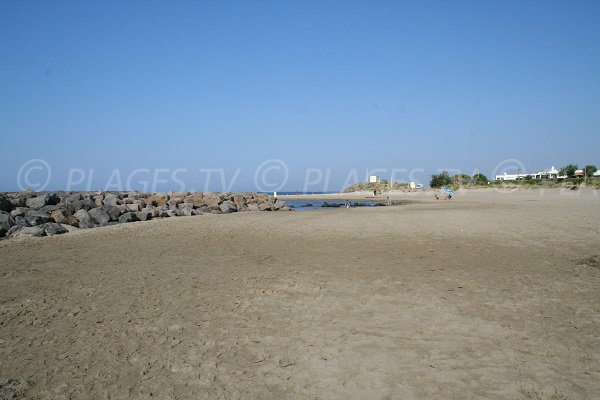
[489, 295]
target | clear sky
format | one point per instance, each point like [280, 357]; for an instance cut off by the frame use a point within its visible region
[327, 85]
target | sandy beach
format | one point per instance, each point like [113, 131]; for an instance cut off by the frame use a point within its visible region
[490, 295]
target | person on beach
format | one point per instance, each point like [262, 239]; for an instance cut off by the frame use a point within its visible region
[347, 204]
[375, 193]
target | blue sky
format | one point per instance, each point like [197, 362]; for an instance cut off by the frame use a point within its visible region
[323, 85]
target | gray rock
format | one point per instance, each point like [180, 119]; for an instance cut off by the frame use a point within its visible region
[38, 202]
[21, 231]
[174, 202]
[197, 212]
[48, 208]
[52, 228]
[265, 206]
[253, 207]
[20, 220]
[69, 228]
[84, 220]
[184, 212]
[113, 211]
[74, 198]
[6, 222]
[19, 211]
[132, 207]
[36, 217]
[227, 206]
[143, 215]
[128, 217]
[100, 216]
[110, 199]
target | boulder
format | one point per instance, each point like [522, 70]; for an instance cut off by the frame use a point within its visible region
[20, 220]
[132, 207]
[5, 204]
[84, 220]
[227, 206]
[143, 215]
[99, 200]
[73, 198]
[153, 211]
[60, 216]
[6, 222]
[38, 202]
[184, 212]
[253, 207]
[22, 231]
[48, 208]
[265, 206]
[113, 211]
[52, 228]
[69, 228]
[197, 212]
[19, 211]
[36, 217]
[157, 199]
[128, 217]
[174, 202]
[110, 199]
[100, 216]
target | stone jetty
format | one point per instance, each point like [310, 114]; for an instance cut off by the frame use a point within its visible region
[29, 213]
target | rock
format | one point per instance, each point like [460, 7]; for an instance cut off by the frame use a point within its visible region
[110, 199]
[5, 204]
[60, 216]
[331, 205]
[20, 220]
[286, 208]
[157, 199]
[264, 206]
[74, 198]
[48, 208]
[228, 206]
[143, 215]
[113, 211]
[100, 216]
[133, 207]
[84, 220]
[52, 228]
[19, 211]
[36, 217]
[197, 212]
[153, 211]
[184, 212]
[253, 207]
[38, 202]
[99, 200]
[128, 217]
[6, 222]
[88, 204]
[21, 231]
[174, 202]
[69, 228]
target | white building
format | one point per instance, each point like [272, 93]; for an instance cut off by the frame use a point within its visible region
[552, 173]
[374, 179]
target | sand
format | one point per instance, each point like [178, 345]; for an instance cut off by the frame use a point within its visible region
[490, 295]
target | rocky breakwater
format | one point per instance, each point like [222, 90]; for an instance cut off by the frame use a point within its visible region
[51, 213]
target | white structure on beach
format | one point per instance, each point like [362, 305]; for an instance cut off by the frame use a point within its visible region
[552, 173]
[374, 179]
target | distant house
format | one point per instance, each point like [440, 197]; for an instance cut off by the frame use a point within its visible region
[374, 179]
[552, 173]
[579, 173]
